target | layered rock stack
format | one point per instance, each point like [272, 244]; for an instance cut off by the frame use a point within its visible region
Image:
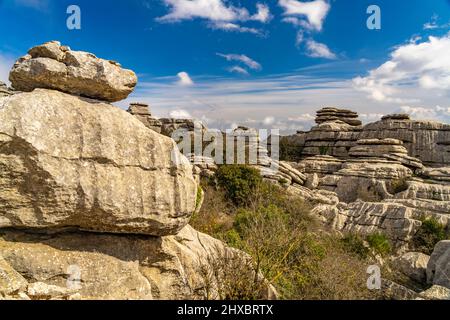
[93, 204]
[391, 149]
[338, 115]
[425, 140]
[336, 132]
[142, 112]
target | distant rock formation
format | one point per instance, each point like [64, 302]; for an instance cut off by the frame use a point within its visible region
[52, 66]
[339, 130]
[338, 115]
[142, 112]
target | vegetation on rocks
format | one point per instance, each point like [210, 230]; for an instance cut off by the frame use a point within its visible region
[287, 245]
[429, 234]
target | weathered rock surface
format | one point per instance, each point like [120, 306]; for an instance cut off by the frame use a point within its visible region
[4, 91]
[52, 66]
[69, 162]
[425, 140]
[142, 112]
[436, 293]
[438, 271]
[96, 266]
[414, 265]
[335, 114]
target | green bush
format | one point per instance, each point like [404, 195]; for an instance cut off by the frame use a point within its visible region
[239, 182]
[324, 150]
[355, 244]
[379, 243]
[287, 245]
[198, 198]
[429, 234]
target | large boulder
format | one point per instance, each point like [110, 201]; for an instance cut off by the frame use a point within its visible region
[71, 162]
[414, 265]
[102, 266]
[52, 66]
[438, 271]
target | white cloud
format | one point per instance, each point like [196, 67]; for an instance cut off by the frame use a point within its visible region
[318, 50]
[437, 113]
[6, 63]
[233, 27]
[420, 67]
[315, 12]
[249, 62]
[35, 4]
[180, 114]
[434, 24]
[299, 38]
[263, 13]
[184, 79]
[212, 10]
[269, 120]
[238, 69]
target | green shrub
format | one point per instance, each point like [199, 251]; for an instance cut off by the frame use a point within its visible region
[239, 182]
[324, 150]
[429, 234]
[289, 150]
[287, 245]
[355, 244]
[198, 198]
[379, 243]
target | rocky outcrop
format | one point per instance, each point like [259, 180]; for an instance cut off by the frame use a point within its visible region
[338, 131]
[414, 265]
[378, 172]
[94, 204]
[52, 66]
[436, 293]
[334, 115]
[425, 140]
[94, 266]
[102, 170]
[4, 91]
[438, 270]
[142, 112]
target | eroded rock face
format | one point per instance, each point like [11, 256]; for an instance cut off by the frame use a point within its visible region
[4, 91]
[52, 66]
[69, 162]
[414, 265]
[95, 266]
[142, 112]
[438, 271]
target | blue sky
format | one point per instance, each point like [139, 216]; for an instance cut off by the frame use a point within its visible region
[267, 63]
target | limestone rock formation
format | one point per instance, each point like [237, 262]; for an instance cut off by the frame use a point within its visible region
[335, 114]
[436, 293]
[94, 204]
[95, 266]
[414, 265]
[52, 66]
[142, 112]
[425, 140]
[438, 271]
[4, 91]
[70, 162]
